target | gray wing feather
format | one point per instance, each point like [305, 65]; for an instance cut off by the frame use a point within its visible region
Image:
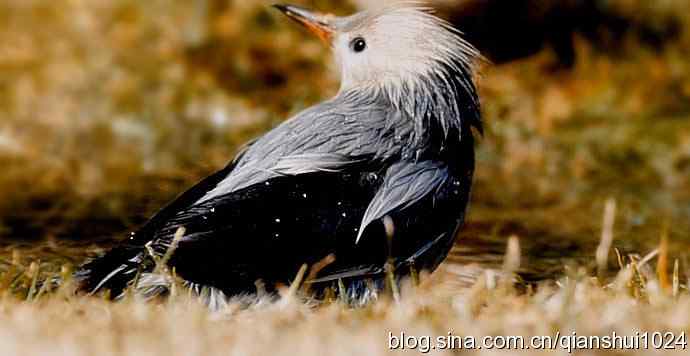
[260, 171]
[312, 162]
[405, 183]
[326, 137]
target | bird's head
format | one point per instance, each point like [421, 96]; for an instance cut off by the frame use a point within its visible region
[391, 43]
[402, 50]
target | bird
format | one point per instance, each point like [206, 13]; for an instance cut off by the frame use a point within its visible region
[378, 175]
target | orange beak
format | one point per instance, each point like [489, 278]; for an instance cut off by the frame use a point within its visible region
[318, 24]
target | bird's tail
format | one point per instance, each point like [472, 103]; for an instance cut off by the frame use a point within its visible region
[113, 271]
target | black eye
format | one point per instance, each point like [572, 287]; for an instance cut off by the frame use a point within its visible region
[358, 44]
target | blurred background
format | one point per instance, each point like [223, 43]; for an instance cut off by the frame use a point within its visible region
[109, 109]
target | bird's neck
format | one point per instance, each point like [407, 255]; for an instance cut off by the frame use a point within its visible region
[439, 107]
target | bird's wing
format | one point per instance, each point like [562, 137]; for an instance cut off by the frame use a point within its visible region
[327, 137]
[405, 183]
[269, 229]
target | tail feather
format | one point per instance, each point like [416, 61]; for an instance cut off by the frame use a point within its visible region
[113, 271]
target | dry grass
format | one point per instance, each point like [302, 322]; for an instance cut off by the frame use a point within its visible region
[60, 323]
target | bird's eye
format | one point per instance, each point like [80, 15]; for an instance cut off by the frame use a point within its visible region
[358, 44]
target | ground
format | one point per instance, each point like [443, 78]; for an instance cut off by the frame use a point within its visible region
[108, 110]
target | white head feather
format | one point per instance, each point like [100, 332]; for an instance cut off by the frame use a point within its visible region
[404, 42]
